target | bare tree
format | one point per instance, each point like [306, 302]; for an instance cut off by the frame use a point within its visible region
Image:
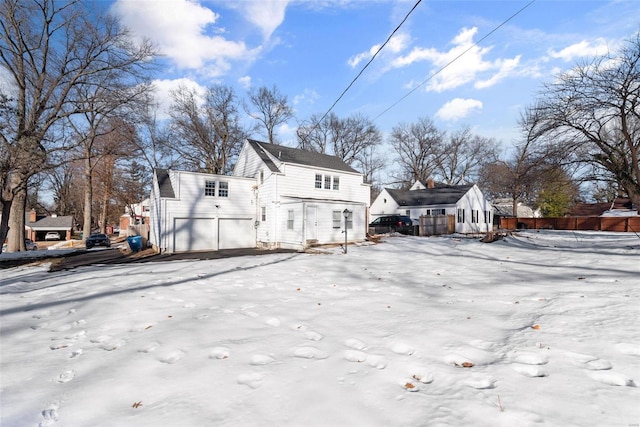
[462, 157]
[208, 130]
[272, 109]
[593, 113]
[49, 48]
[419, 148]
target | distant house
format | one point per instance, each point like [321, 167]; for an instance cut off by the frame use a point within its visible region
[36, 228]
[619, 207]
[141, 215]
[277, 197]
[503, 208]
[472, 211]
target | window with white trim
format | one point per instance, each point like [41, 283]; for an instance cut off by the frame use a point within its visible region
[210, 188]
[350, 220]
[327, 182]
[475, 216]
[337, 219]
[290, 219]
[223, 189]
[318, 180]
[263, 213]
[460, 215]
[336, 183]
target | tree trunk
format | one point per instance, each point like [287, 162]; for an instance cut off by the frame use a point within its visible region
[103, 217]
[4, 221]
[15, 235]
[88, 197]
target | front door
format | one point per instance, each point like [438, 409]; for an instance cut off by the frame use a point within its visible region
[312, 223]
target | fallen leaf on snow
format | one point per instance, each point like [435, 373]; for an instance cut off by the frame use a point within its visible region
[137, 405]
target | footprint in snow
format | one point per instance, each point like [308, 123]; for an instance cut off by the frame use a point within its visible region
[630, 349]
[528, 358]
[589, 362]
[49, 416]
[219, 353]
[402, 349]
[355, 356]
[273, 321]
[530, 371]
[252, 380]
[309, 353]
[75, 353]
[313, 335]
[66, 376]
[612, 378]
[481, 382]
[355, 344]
[149, 348]
[112, 345]
[172, 357]
[261, 359]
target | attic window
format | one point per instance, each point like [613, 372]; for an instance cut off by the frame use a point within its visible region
[210, 188]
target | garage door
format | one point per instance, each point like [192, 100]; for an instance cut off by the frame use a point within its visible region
[236, 233]
[195, 234]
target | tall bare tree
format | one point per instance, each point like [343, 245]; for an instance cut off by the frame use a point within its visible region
[208, 128]
[419, 148]
[48, 48]
[272, 109]
[593, 113]
[353, 139]
[463, 155]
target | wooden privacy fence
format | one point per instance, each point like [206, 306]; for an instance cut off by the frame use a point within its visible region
[435, 225]
[599, 223]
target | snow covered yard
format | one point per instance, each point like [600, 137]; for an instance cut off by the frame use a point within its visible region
[540, 328]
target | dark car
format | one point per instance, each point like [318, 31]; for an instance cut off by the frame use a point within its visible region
[98, 239]
[391, 224]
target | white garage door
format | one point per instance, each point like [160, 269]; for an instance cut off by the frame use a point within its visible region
[195, 234]
[236, 233]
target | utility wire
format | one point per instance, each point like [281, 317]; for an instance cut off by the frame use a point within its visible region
[455, 59]
[367, 64]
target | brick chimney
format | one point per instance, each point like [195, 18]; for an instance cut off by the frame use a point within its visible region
[431, 183]
[32, 215]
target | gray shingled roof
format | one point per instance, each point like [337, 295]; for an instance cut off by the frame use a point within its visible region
[297, 156]
[440, 195]
[164, 183]
[54, 222]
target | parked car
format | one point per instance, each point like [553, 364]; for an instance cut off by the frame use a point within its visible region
[98, 239]
[30, 245]
[52, 235]
[391, 224]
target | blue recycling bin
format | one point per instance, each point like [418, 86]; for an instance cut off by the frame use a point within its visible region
[135, 243]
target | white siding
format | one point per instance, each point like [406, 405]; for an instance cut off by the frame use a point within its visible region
[473, 200]
[384, 204]
[191, 203]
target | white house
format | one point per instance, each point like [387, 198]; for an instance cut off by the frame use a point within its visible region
[277, 197]
[472, 211]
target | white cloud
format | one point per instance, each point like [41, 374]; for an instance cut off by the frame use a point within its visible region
[597, 47]
[245, 82]
[458, 108]
[180, 29]
[397, 44]
[265, 14]
[461, 64]
[163, 90]
[309, 96]
[505, 69]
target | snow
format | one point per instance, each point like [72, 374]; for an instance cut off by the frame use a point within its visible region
[540, 328]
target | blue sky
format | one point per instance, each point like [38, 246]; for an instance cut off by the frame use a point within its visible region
[312, 50]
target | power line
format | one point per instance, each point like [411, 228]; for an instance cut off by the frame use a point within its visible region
[455, 59]
[367, 64]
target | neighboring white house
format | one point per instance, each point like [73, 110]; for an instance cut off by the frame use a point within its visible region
[277, 197]
[472, 211]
